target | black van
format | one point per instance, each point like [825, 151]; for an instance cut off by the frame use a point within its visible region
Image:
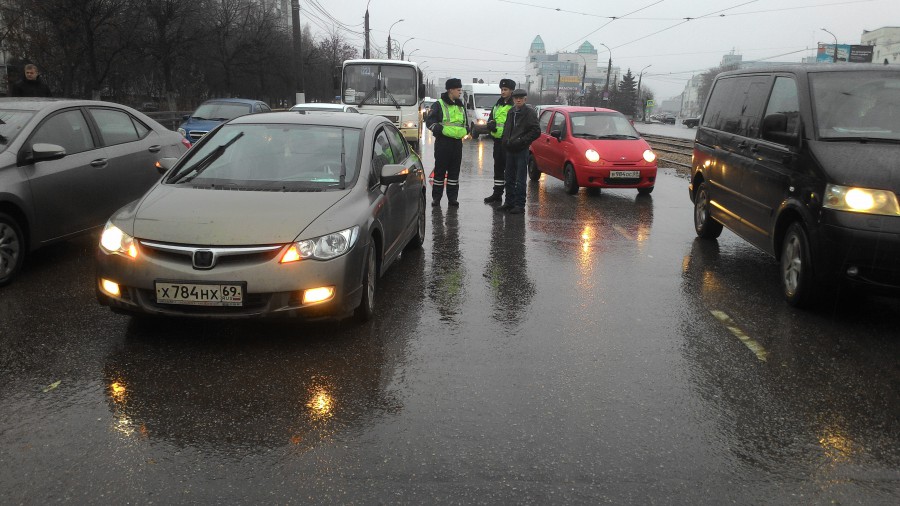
[803, 162]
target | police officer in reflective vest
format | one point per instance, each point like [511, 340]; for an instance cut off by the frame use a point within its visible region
[448, 122]
[495, 123]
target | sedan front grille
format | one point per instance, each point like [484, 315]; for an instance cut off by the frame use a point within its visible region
[207, 257]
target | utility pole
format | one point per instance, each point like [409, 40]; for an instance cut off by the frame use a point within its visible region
[641, 99]
[608, 72]
[557, 86]
[300, 80]
[366, 49]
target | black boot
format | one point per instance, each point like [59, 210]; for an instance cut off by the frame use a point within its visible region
[494, 197]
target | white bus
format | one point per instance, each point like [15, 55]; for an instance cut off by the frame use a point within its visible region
[389, 88]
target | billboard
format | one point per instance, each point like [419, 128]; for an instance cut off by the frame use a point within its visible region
[845, 52]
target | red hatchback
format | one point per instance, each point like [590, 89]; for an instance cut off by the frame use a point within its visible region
[594, 148]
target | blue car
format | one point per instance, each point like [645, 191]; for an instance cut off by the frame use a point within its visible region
[216, 111]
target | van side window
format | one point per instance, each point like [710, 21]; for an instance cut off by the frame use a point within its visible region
[736, 105]
[783, 111]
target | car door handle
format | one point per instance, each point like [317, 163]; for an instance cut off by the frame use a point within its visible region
[743, 145]
[754, 148]
[154, 149]
[100, 162]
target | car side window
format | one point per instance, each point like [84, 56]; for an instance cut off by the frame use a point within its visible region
[382, 154]
[264, 108]
[784, 106]
[545, 120]
[559, 123]
[67, 129]
[398, 144]
[737, 104]
[117, 127]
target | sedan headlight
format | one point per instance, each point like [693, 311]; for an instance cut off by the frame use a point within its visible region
[325, 247]
[592, 155]
[115, 242]
[861, 200]
[649, 156]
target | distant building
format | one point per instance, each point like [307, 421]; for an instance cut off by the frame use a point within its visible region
[886, 41]
[565, 71]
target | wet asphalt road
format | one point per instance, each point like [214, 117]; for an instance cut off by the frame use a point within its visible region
[591, 351]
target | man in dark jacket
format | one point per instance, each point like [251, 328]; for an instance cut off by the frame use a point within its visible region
[31, 86]
[521, 129]
[448, 122]
[496, 122]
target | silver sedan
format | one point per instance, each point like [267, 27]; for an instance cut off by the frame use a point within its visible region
[271, 214]
[65, 165]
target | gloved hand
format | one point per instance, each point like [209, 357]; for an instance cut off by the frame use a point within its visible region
[437, 129]
[492, 126]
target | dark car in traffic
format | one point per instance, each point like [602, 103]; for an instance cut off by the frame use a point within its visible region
[214, 112]
[65, 165]
[278, 214]
[801, 162]
[690, 122]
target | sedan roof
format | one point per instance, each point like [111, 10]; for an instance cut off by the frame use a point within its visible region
[38, 103]
[576, 108]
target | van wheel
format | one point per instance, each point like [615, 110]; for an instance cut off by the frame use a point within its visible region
[12, 248]
[705, 226]
[797, 277]
[570, 181]
[370, 278]
[472, 132]
[533, 172]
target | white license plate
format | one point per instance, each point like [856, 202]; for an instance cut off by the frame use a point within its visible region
[200, 294]
[624, 173]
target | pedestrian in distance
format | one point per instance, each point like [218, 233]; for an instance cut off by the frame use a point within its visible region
[520, 130]
[31, 85]
[496, 122]
[448, 122]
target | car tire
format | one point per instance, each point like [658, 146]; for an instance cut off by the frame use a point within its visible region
[797, 276]
[366, 307]
[593, 190]
[570, 180]
[533, 172]
[418, 239]
[645, 191]
[12, 248]
[705, 226]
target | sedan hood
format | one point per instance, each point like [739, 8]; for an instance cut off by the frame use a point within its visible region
[853, 163]
[631, 150]
[177, 214]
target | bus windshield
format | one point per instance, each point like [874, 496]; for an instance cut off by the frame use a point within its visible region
[379, 84]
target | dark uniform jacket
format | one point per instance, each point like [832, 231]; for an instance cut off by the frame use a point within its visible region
[436, 115]
[29, 88]
[521, 129]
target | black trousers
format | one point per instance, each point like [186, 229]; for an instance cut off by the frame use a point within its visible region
[447, 161]
[499, 167]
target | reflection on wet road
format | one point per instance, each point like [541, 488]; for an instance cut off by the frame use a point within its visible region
[585, 352]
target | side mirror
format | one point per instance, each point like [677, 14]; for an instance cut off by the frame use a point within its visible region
[556, 134]
[164, 164]
[42, 152]
[394, 173]
[774, 129]
[421, 89]
[186, 117]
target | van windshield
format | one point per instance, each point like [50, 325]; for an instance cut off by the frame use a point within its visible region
[486, 100]
[851, 105]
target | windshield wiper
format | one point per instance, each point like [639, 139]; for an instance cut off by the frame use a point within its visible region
[368, 95]
[617, 136]
[585, 135]
[205, 162]
[887, 140]
[391, 96]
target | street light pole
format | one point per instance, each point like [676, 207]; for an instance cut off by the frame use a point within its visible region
[835, 44]
[366, 49]
[640, 98]
[608, 71]
[403, 46]
[409, 56]
[389, 38]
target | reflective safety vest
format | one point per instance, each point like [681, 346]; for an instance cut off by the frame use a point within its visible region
[500, 112]
[454, 121]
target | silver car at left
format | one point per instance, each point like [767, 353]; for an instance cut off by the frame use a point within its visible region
[275, 214]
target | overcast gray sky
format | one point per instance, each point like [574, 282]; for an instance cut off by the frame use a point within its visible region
[489, 39]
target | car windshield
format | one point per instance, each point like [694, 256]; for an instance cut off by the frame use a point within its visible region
[485, 101]
[316, 109]
[221, 111]
[856, 105]
[380, 84]
[11, 123]
[272, 157]
[602, 125]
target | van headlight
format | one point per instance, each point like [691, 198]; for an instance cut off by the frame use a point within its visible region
[115, 242]
[325, 247]
[861, 200]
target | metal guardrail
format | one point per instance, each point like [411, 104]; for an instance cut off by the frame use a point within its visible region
[169, 119]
